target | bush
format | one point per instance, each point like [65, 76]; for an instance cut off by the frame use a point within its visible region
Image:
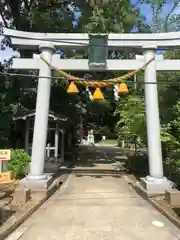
[138, 164]
[18, 163]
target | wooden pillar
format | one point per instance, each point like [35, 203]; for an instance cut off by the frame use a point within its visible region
[62, 145]
[56, 140]
[27, 134]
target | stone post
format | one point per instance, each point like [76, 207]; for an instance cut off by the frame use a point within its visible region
[41, 117]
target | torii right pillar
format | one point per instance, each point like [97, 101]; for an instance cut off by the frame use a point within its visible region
[155, 183]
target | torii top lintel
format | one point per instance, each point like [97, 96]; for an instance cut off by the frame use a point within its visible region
[32, 40]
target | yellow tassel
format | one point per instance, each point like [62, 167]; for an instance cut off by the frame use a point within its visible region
[72, 88]
[123, 88]
[97, 95]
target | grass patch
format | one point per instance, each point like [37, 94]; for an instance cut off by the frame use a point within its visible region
[110, 141]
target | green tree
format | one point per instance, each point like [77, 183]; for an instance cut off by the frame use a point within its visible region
[131, 124]
[109, 16]
[57, 16]
[164, 15]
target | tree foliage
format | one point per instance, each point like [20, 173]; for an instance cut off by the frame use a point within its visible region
[165, 18]
[109, 16]
[131, 124]
[59, 16]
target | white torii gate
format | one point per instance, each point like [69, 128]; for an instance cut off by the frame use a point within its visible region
[155, 183]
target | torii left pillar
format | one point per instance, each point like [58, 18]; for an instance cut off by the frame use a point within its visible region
[37, 178]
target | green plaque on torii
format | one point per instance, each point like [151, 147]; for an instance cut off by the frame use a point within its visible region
[98, 51]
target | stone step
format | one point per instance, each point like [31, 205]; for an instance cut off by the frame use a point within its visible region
[99, 194]
[97, 175]
[92, 171]
[102, 201]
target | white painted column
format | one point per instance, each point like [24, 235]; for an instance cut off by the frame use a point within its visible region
[41, 117]
[56, 141]
[27, 135]
[48, 151]
[152, 118]
[123, 144]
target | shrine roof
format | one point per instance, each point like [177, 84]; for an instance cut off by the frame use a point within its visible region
[52, 116]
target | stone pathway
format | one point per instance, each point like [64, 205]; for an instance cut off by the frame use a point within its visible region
[96, 208]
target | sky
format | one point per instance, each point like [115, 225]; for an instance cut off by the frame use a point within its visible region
[145, 10]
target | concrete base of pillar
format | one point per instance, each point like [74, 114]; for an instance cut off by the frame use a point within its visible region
[154, 186]
[21, 195]
[36, 184]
